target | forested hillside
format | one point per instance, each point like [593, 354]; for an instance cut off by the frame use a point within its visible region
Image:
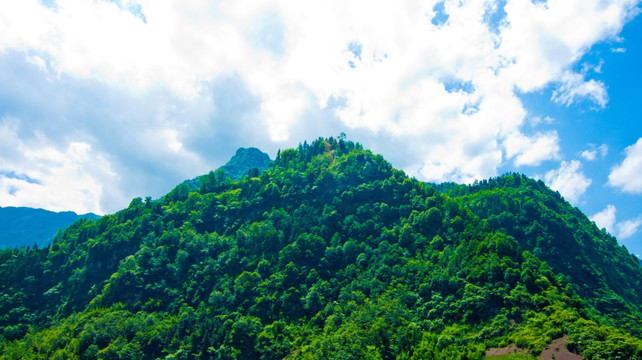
[600, 271]
[329, 253]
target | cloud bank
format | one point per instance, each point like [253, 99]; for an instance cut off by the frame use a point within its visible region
[158, 91]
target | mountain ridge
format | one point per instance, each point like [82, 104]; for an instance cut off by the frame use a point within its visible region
[329, 253]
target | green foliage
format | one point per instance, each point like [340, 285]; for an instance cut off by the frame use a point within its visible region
[601, 272]
[330, 253]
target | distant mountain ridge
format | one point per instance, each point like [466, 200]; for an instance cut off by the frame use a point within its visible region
[24, 226]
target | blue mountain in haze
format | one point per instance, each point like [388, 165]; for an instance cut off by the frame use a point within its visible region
[24, 226]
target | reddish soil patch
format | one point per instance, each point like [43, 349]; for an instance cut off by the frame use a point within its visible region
[510, 349]
[557, 350]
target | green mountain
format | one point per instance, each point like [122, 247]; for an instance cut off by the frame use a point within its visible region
[244, 161]
[559, 234]
[23, 226]
[330, 253]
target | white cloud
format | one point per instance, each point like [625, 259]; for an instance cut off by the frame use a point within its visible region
[172, 140]
[628, 228]
[568, 180]
[592, 153]
[536, 120]
[603, 150]
[532, 150]
[589, 154]
[37, 174]
[295, 58]
[623, 230]
[605, 219]
[626, 175]
[545, 37]
[573, 88]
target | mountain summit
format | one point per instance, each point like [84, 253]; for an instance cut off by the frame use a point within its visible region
[245, 160]
[329, 253]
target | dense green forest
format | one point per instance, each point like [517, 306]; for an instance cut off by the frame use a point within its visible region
[329, 253]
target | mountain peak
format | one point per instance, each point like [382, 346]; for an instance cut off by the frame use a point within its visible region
[244, 160]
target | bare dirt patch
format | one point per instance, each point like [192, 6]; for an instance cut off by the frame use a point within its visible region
[510, 349]
[557, 350]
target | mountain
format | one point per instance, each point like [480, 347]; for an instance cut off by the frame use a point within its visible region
[244, 161]
[329, 253]
[559, 234]
[23, 226]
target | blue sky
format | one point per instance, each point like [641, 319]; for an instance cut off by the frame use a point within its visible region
[103, 101]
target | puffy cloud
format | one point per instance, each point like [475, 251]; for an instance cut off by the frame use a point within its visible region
[152, 139]
[39, 174]
[532, 150]
[605, 219]
[176, 86]
[569, 180]
[589, 155]
[628, 228]
[544, 38]
[626, 175]
[592, 153]
[623, 230]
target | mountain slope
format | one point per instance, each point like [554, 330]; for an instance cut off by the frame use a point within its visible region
[23, 226]
[330, 253]
[559, 234]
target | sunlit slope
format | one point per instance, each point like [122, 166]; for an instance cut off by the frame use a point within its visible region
[330, 253]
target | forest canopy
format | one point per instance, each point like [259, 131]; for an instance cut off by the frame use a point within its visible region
[330, 252]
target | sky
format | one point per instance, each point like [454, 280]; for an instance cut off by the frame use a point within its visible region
[103, 101]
